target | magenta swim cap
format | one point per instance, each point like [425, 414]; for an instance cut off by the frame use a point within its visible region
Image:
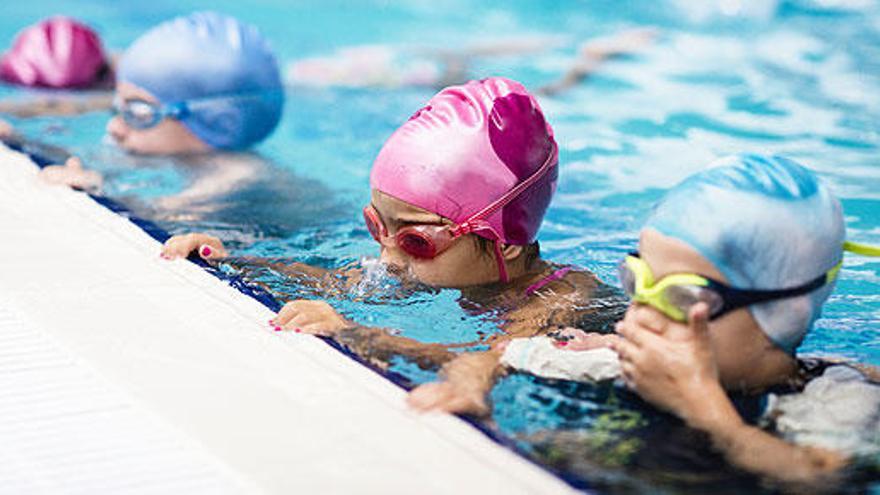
[468, 148]
[57, 53]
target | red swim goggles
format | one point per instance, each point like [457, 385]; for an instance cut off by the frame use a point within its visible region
[429, 241]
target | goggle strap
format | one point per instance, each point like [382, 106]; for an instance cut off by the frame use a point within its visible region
[235, 97]
[827, 278]
[466, 228]
[863, 249]
[177, 110]
[831, 274]
[502, 266]
[741, 297]
[738, 298]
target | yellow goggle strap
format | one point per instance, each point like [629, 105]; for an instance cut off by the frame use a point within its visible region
[856, 248]
[863, 249]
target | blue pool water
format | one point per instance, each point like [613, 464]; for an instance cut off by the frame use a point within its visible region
[799, 78]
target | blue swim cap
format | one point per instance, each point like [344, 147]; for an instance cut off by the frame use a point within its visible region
[223, 68]
[766, 223]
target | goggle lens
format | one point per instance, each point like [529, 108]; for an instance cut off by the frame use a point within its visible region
[416, 244]
[680, 297]
[137, 114]
[373, 225]
[627, 278]
[684, 297]
[410, 240]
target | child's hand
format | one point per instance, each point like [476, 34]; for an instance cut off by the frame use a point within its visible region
[312, 317]
[72, 174]
[448, 397]
[179, 246]
[670, 364]
[574, 339]
[468, 378]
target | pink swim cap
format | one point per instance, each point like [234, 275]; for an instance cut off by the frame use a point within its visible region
[57, 53]
[469, 147]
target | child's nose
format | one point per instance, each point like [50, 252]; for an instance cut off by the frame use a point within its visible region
[117, 129]
[392, 256]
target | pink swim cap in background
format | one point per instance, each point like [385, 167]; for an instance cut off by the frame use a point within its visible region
[56, 53]
[468, 147]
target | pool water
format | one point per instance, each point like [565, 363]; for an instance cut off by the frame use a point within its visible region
[800, 78]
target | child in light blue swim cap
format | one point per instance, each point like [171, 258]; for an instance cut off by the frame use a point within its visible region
[192, 85]
[195, 83]
[732, 270]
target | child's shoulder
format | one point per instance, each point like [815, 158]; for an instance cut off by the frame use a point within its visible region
[838, 404]
[567, 296]
[569, 279]
[836, 369]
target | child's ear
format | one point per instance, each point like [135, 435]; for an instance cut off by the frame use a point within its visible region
[511, 251]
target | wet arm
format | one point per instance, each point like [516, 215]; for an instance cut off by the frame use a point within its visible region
[754, 450]
[212, 250]
[595, 53]
[474, 371]
[323, 282]
[377, 346]
[577, 73]
[872, 373]
[224, 173]
[467, 381]
[57, 105]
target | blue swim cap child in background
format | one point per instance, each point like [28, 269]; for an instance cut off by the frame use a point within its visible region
[765, 222]
[218, 74]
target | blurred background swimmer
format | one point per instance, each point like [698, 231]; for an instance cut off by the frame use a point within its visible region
[194, 84]
[203, 88]
[42, 57]
[386, 66]
[58, 53]
[191, 84]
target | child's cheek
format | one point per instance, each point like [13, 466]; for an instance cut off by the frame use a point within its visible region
[427, 272]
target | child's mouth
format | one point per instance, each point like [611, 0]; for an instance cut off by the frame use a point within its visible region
[385, 280]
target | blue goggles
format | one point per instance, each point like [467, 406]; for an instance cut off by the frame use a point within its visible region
[140, 114]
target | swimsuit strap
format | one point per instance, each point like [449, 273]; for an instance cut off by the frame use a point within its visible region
[556, 275]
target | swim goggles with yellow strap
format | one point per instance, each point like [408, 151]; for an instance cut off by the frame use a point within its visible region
[675, 294]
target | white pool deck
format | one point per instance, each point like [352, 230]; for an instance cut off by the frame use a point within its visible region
[121, 372]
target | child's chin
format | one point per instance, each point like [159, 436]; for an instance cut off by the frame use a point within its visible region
[150, 150]
[134, 148]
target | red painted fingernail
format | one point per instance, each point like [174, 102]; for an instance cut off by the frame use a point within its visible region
[562, 343]
[272, 322]
[297, 330]
[206, 251]
[277, 329]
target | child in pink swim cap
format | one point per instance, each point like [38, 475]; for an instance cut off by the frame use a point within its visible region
[458, 194]
[59, 53]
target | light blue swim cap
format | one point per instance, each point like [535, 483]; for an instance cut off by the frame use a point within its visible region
[224, 70]
[766, 223]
